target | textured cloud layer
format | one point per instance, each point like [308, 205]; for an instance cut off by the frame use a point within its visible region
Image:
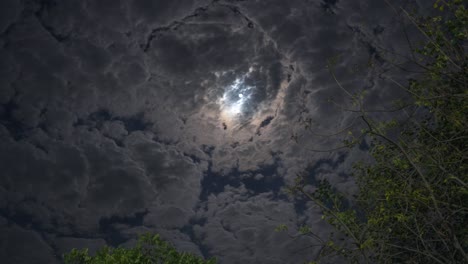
[182, 117]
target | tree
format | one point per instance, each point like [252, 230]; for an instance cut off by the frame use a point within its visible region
[411, 206]
[150, 249]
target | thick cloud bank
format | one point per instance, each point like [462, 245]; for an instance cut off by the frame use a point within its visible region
[179, 117]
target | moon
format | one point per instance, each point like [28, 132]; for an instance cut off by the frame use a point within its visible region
[235, 97]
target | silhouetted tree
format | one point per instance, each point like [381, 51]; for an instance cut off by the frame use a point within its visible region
[151, 249]
[412, 202]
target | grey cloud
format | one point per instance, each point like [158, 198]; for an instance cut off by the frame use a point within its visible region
[160, 12]
[8, 73]
[9, 14]
[111, 123]
[241, 227]
[65, 244]
[168, 217]
[18, 242]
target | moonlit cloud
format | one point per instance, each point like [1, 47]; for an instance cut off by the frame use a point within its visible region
[236, 96]
[122, 117]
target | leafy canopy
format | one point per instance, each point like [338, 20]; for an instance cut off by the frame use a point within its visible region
[411, 206]
[150, 249]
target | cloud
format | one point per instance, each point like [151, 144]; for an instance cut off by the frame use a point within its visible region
[66, 244]
[112, 121]
[240, 227]
[17, 243]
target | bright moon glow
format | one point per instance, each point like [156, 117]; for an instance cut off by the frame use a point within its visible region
[235, 96]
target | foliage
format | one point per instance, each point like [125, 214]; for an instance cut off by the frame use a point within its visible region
[151, 249]
[412, 201]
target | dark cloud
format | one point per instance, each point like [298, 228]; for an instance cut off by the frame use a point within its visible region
[185, 118]
[246, 223]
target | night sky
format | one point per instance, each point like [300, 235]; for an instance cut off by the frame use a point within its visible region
[187, 118]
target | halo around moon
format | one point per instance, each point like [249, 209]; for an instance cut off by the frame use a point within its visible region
[236, 97]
